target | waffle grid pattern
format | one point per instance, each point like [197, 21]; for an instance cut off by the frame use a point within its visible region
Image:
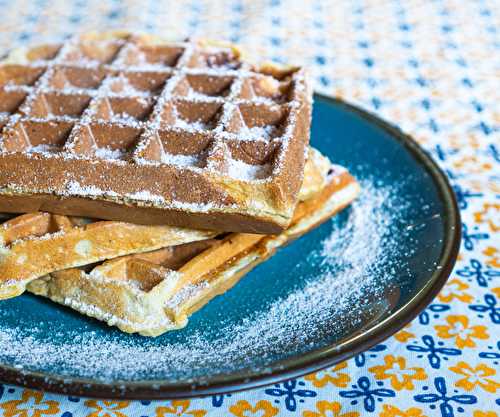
[35, 244]
[124, 101]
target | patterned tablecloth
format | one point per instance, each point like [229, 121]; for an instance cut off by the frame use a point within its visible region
[431, 67]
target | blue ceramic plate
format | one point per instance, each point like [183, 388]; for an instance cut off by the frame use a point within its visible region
[338, 290]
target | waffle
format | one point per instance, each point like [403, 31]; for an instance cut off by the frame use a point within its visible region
[156, 292]
[131, 128]
[35, 244]
[32, 245]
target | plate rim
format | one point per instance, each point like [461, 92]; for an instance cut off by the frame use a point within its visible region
[294, 367]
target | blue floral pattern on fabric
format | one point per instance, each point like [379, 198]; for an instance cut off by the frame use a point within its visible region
[445, 401]
[292, 393]
[368, 394]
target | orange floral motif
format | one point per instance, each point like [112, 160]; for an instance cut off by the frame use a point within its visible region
[422, 138]
[459, 329]
[107, 408]
[329, 409]
[455, 290]
[332, 376]
[263, 408]
[489, 215]
[396, 371]
[31, 404]
[391, 411]
[493, 257]
[472, 165]
[404, 335]
[479, 413]
[477, 376]
[482, 185]
[179, 408]
[458, 141]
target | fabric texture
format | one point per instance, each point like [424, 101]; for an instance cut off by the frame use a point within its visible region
[430, 67]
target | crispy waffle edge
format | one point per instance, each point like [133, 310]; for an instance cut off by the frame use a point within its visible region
[25, 257]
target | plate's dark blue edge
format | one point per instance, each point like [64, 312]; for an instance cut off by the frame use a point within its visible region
[296, 366]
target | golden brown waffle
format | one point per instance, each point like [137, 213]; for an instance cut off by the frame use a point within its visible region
[156, 292]
[35, 244]
[132, 128]
[32, 245]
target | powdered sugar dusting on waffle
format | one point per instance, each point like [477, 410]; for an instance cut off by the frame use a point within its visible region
[181, 160]
[126, 101]
[146, 196]
[243, 171]
[76, 188]
[108, 153]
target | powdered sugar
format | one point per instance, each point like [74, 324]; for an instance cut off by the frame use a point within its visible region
[121, 87]
[180, 160]
[351, 268]
[146, 196]
[44, 148]
[75, 188]
[108, 153]
[190, 126]
[259, 132]
[247, 172]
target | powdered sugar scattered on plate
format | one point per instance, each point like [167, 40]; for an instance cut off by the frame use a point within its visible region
[355, 266]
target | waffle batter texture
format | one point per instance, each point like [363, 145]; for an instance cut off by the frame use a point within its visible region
[133, 128]
[34, 244]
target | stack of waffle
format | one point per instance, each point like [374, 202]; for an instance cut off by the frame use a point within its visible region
[154, 174]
